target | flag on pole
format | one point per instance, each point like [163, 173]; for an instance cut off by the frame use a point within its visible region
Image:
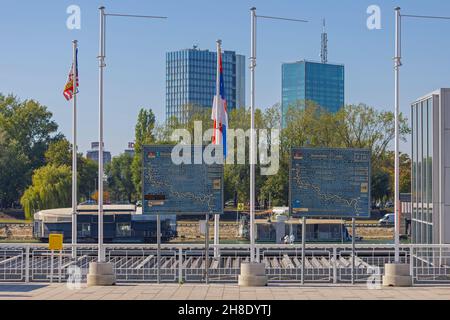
[219, 109]
[69, 88]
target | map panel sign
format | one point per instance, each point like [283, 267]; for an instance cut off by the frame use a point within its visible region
[327, 182]
[187, 188]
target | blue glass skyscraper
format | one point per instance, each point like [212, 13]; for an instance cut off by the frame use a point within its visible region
[321, 83]
[191, 81]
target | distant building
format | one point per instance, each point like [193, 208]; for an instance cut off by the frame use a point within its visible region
[321, 83]
[130, 150]
[93, 153]
[430, 180]
[191, 81]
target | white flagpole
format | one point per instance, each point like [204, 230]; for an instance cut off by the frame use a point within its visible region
[397, 139]
[101, 58]
[218, 136]
[252, 137]
[74, 150]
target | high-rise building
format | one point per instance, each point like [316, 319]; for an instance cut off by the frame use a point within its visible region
[93, 153]
[321, 83]
[191, 81]
[430, 179]
[130, 150]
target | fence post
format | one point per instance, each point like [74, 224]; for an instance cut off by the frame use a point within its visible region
[27, 264]
[158, 250]
[180, 265]
[60, 267]
[257, 255]
[51, 267]
[353, 249]
[411, 262]
[303, 249]
[335, 280]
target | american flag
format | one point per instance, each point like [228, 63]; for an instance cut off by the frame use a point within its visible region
[219, 110]
[69, 88]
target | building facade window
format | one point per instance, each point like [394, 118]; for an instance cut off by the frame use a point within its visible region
[191, 81]
[84, 230]
[123, 229]
[320, 83]
[422, 171]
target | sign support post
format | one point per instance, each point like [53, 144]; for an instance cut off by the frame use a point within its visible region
[52, 254]
[207, 249]
[158, 252]
[216, 235]
[353, 249]
[303, 248]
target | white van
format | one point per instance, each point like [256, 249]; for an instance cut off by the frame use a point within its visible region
[387, 219]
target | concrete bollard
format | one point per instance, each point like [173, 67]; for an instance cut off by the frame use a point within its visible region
[253, 275]
[101, 274]
[397, 275]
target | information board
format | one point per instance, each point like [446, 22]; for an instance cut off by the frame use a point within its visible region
[328, 182]
[186, 188]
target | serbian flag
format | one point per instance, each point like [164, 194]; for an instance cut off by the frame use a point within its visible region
[219, 109]
[69, 88]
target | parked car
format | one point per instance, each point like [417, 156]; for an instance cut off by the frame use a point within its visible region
[389, 204]
[88, 203]
[387, 219]
[229, 203]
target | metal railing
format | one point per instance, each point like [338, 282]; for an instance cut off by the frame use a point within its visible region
[429, 264]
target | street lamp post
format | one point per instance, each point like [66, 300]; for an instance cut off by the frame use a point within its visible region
[101, 273]
[397, 64]
[101, 66]
[252, 135]
[253, 274]
[398, 274]
[253, 151]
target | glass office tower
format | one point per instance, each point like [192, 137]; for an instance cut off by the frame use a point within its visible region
[191, 81]
[321, 83]
[430, 172]
[94, 152]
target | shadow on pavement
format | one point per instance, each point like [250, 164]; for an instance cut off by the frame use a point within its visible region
[26, 287]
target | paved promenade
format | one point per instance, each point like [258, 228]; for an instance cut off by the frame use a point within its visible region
[36, 291]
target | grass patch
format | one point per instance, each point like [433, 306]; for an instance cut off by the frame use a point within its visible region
[15, 221]
[19, 241]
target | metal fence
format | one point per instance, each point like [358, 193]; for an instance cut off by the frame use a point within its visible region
[191, 263]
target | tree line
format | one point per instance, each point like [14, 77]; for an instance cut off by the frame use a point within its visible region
[36, 159]
[353, 126]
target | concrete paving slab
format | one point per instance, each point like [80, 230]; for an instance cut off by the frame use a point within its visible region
[217, 292]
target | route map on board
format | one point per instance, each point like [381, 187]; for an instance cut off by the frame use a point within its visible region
[328, 182]
[169, 188]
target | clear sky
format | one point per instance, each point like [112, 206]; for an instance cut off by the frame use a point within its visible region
[35, 55]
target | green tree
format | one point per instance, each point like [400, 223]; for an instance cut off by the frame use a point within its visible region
[120, 178]
[361, 126]
[31, 125]
[28, 129]
[59, 153]
[386, 166]
[87, 178]
[13, 164]
[51, 188]
[381, 186]
[144, 134]
[307, 125]
[405, 173]
[354, 126]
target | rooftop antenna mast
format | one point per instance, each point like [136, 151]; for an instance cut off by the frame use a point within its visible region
[324, 47]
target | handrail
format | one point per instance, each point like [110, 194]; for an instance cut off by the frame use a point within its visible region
[225, 246]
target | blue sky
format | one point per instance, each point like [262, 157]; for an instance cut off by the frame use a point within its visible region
[36, 52]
